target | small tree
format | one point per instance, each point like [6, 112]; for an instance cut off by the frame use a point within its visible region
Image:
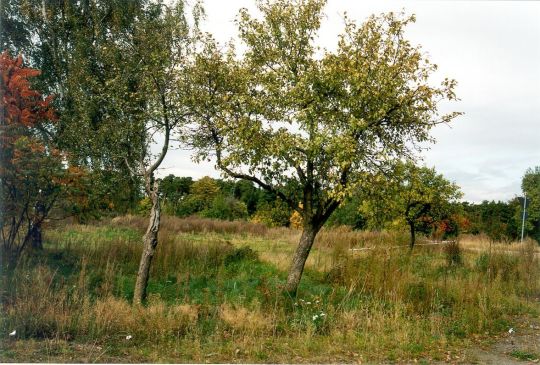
[146, 94]
[416, 196]
[31, 170]
[307, 125]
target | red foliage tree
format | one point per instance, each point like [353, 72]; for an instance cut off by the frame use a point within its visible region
[30, 168]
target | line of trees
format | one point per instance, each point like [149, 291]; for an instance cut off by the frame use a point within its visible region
[414, 198]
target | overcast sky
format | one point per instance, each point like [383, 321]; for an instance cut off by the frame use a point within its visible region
[491, 48]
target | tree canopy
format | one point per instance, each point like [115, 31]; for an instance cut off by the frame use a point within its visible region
[287, 114]
[413, 195]
[531, 187]
[31, 171]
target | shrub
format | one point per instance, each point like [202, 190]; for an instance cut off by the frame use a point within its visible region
[274, 214]
[226, 208]
[452, 253]
[296, 220]
[240, 254]
[144, 206]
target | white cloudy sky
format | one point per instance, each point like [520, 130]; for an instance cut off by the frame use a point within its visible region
[491, 48]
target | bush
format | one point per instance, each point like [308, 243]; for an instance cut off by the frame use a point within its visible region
[240, 254]
[144, 206]
[226, 208]
[452, 253]
[189, 205]
[274, 214]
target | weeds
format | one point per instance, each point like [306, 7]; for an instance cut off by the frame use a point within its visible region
[524, 355]
[214, 297]
[452, 253]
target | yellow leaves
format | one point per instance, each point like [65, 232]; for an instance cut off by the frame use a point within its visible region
[296, 221]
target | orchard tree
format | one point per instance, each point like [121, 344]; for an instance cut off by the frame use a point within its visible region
[306, 124]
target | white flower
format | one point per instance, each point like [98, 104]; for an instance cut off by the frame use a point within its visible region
[13, 333]
[308, 303]
[323, 314]
[511, 330]
[295, 303]
[129, 337]
[315, 317]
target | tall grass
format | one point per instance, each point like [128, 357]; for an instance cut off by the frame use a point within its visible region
[213, 299]
[193, 224]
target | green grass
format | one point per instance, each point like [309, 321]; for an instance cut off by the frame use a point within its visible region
[218, 297]
[524, 355]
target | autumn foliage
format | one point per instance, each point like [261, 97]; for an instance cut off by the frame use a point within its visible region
[31, 169]
[21, 105]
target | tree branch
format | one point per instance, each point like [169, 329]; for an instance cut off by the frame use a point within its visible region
[237, 175]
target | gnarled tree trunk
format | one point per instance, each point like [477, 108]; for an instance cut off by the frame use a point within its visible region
[150, 241]
[300, 256]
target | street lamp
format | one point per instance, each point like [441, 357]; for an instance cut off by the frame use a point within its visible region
[523, 219]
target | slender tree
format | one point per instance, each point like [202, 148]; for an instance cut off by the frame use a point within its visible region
[306, 124]
[157, 52]
[74, 45]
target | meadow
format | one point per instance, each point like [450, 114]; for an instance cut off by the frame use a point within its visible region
[215, 295]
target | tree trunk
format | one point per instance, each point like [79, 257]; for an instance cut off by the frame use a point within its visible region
[413, 236]
[300, 257]
[150, 241]
[33, 237]
[36, 238]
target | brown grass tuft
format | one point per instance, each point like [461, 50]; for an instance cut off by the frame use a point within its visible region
[244, 320]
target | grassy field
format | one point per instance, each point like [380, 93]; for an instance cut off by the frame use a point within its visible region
[215, 296]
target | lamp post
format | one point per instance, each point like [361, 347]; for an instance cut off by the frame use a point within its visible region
[523, 219]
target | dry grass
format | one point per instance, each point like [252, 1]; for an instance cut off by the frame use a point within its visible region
[193, 224]
[212, 299]
[245, 321]
[43, 308]
[483, 243]
[346, 238]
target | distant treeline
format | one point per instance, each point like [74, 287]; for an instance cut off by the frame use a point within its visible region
[233, 200]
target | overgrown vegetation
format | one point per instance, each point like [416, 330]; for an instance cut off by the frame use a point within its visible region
[215, 294]
[322, 145]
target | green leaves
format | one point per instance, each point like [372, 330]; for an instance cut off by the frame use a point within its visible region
[410, 194]
[282, 113]
[531, 187]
